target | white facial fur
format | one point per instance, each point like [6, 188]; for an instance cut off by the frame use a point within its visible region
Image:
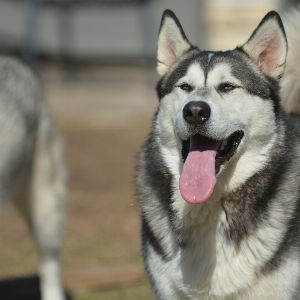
[232, 111]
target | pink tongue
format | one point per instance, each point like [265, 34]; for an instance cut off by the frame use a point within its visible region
[198, 179]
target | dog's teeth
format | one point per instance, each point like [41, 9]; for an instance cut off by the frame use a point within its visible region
[223, 145]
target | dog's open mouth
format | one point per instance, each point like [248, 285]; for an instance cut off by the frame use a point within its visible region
[203, 158]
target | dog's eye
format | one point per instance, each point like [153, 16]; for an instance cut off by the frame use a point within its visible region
[186, 87]
[226, 87]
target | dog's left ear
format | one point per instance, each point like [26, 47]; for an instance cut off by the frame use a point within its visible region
[267, 46]
[172, 42]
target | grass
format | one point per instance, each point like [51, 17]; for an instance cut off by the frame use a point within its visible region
[131, 293]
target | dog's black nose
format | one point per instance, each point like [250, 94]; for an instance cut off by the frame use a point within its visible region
[196, 112]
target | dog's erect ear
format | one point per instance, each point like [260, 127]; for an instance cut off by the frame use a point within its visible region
[267, 46]
[172, 42]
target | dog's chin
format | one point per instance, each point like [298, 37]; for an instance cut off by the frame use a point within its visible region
[226, 148]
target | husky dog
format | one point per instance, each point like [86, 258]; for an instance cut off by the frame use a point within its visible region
[218, 177]
[32, 172]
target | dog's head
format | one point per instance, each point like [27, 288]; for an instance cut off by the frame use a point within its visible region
[218, 110]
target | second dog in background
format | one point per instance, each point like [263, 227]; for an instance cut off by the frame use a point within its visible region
[32, 171]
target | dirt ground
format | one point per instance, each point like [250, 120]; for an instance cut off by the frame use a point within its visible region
[104, 115]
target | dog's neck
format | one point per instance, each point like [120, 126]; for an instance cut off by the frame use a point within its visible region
[217, 262]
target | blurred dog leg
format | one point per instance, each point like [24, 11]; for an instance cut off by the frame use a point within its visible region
[45, 206]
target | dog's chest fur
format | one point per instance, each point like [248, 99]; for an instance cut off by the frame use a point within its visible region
[210, 266]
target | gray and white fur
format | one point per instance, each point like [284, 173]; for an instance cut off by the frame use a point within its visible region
[244, 241]
[32, 172]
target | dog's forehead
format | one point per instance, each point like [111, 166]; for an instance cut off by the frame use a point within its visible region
[213, 67]
[208, 68]
[200, 76]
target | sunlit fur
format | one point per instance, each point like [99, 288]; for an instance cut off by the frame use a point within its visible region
[290, 81]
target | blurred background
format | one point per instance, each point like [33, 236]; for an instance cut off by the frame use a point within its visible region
[97, 62]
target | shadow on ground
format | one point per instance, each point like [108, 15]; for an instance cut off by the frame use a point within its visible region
[22, 288]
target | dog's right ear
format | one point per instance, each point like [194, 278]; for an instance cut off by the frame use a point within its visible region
[172, 42]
